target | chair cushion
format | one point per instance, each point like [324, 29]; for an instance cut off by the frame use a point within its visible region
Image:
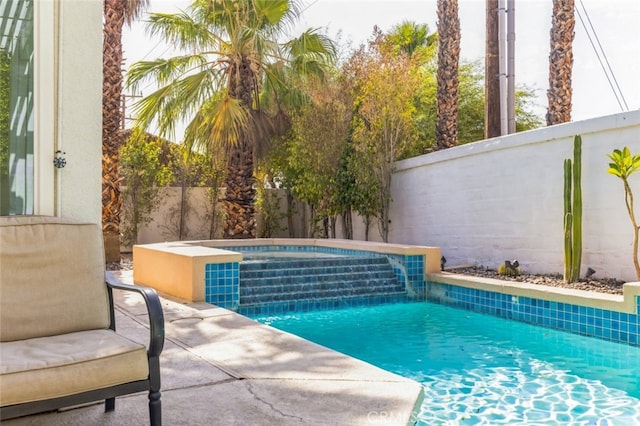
[52, 277]
[51, 367]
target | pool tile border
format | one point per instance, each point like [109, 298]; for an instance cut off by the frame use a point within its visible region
[608, 317]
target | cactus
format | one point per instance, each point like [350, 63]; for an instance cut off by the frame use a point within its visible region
[573, 213]
[509, 268]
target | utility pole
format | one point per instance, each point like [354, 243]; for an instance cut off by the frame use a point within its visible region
[511, 66]
[502, 60]
[492, 73]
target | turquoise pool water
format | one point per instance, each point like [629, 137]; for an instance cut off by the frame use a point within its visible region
[479, 369]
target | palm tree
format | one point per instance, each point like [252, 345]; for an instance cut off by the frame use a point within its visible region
[447, 75]
[116, 13]
[561, 62]
[235, 65]
[410, 37]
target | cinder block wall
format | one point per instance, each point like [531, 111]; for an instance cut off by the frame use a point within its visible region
[502, 198]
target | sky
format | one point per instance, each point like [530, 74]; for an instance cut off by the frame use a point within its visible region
[616, 24]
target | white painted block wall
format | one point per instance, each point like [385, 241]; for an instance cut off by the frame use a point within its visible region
[499, 199]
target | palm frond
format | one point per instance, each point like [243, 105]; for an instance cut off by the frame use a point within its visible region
[174, 102]
[183, 31]
[228, 36]
[270, 12]
[310, 47]
[220, 123]
[281, 88]
[312, 42]
[133, 9]
[163, 71]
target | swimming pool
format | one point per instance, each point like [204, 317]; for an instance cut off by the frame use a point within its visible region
[481, 369]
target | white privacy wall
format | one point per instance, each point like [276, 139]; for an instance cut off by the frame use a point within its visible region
[502, 198]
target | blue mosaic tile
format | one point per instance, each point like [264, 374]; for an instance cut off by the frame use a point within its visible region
[278, 308]
[605, 324]
[409, 268]
[222, 283]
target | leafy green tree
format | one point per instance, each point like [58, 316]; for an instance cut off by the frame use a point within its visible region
[623, 165]
[144, 176]
[236, 65]
[359, 188]
[191, 170]
[268, 204]
[319, 133]
[207, 170]
[277, 167]
[384, 123]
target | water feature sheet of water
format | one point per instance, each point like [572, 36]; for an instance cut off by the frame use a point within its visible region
[279, 282]
[480, 369]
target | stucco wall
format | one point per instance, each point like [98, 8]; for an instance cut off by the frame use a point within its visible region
[165, 222]
[502, 198]
[79, 109]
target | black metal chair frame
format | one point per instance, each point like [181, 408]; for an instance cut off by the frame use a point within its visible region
[151, 384]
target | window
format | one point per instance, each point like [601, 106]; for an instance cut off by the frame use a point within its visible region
[16, 107]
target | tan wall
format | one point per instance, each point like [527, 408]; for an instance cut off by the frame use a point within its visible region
[165, 223]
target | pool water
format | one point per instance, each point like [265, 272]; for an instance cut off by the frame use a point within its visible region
[479, 369]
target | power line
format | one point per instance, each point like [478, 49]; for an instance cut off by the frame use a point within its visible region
[611, 79]
[308, 6]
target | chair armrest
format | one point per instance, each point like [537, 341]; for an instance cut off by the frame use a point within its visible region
[154, 309]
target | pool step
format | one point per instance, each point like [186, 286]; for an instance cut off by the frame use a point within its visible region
[283, 285]
[316, 275]
[296, 265]
[305, 305]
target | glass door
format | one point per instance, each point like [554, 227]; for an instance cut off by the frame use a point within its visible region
[16, 107]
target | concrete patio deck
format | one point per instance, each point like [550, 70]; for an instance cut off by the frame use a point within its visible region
[220, 368]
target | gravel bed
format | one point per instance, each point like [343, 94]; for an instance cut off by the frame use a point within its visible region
[125, 264]
[601, 285]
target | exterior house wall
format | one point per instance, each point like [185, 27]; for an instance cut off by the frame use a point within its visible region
[502, 199]
[78, 112]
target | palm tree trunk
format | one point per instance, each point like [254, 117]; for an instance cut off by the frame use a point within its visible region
[447, 75]
[239, 204]
[561, 62]
[114, 16]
